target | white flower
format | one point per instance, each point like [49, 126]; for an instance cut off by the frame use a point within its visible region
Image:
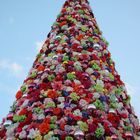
[22, 134]
[10, 130]
[83, 103]
[69, 89]
[77, 63]
[41, 116]
[100, 82]
[25, 103]
[96, 95]
[89, 70]
[61, 105]
[33, 133]
[61, 99]
[77, 81]
[47, 100]
[77, 112]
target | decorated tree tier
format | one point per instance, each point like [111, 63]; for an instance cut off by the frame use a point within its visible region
[73, 91]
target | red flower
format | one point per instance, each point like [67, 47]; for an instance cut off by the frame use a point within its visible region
[19, 95]
[19, 129]
[27, 120]
[90, 49]
[76, 47]
[90, 95]
[95, 57]
[84, 78]
[34, 95]
[47, 120]
[44, 128]
[114, 119]
[57, 85]
[81, 36]
[41, 68]
[63, 23]
[43, 86]
[56, 111]
[77, 118]
[23, 111]
[92, 127]
[52, 94]
[62, 126]
[59, 77]
[2, 133]
[107, 128]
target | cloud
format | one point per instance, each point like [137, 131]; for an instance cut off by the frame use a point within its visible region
[38, 44]
[132, 90]
[13, 67]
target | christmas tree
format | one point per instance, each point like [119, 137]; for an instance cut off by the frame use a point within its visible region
[73, 91]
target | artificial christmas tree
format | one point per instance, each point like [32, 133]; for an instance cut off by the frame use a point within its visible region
[73, 91]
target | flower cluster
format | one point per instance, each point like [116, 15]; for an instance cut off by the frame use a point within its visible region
[73, 91]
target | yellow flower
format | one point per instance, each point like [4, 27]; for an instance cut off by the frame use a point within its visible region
[65, 62]
[108, 138]
[38, 137]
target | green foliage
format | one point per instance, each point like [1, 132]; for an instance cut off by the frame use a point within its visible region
[51, 77]
[99, 104]
[50, 104]
[19, 118]
[83, 125]
[74, 96]
[99, 132]
[98, 88]
[23, 88]
[95, 66]
[69, 138]
[71, 76]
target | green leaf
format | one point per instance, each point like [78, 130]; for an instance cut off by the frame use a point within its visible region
[95, 66]
[83, 125]
[69, 138]
[99, 132]
[74, 96]
[23, 88]
[51, 77]
[99, 104]
[17, 118]
[71, 76]
[98, 88]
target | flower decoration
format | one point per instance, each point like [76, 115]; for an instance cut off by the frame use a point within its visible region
[83, 126]
[52, 94]
[73, 91]
[19, 95]
[33, 133]
[44, 128]
[74, 96]
[84, 28]
[71, 76]
[95, 66]
[22, 134]
[51, 77]
[99, 104]
[19, 118]
[98, 88]
[69, 138]
[99, 132]
[114, 119]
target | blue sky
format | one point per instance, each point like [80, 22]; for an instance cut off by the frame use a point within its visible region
[24, 25]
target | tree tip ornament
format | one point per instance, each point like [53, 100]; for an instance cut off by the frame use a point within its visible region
[73, 91]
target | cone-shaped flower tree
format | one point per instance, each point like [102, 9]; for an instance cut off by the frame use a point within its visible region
[73, 91]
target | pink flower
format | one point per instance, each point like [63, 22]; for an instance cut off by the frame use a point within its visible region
[57, 85]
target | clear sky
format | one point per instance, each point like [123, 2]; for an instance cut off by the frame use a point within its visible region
[25, 24]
